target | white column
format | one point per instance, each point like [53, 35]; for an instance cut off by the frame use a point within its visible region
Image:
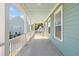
[29, 23]
[25, 24]
[2, 27]
[4, 49]
[7, 48]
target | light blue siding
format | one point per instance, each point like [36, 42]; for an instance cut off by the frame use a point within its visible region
[70, 44]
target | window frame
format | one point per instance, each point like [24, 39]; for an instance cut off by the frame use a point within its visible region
[57, 11]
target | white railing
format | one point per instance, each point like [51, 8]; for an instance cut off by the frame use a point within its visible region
[17, 43]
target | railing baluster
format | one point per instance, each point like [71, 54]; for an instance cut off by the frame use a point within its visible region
[11, 47]
[19, 42]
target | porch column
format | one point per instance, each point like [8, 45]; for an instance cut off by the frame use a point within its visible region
[7, 48]
[4, 41]
[25, 24]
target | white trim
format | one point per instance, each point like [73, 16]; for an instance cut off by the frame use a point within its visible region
[58, 10]
[58, 25]
[52, 10]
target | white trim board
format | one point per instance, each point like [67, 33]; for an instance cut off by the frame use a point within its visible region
[58, 10]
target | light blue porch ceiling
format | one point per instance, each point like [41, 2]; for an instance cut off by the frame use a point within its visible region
[39, 11]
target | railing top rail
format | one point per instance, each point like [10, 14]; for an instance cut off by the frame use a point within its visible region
[16, 37]
[20, 36]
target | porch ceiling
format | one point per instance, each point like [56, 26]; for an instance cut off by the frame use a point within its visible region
[38, 11]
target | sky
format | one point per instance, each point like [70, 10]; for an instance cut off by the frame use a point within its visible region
[14, 12]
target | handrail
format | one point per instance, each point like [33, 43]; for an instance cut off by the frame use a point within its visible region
[1, 44]
[16, 37]
[19, 36]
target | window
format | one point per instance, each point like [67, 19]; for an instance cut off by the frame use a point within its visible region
[58, 24]
[49, 27]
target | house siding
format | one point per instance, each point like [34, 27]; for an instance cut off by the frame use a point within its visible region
[70, 43]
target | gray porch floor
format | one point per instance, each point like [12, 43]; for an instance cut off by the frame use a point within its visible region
[39, 47]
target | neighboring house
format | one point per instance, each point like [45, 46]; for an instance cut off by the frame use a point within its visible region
[65, 28]
[16, 25]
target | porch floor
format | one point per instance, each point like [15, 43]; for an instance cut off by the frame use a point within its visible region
[39, 47]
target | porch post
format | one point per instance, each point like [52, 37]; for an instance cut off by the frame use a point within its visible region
[25, 24]
[7, 48]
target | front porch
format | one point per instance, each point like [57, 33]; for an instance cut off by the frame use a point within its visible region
[40, 45]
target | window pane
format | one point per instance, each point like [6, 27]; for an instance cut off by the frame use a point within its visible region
[58, 32]
[58, 18]
[58, 25]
